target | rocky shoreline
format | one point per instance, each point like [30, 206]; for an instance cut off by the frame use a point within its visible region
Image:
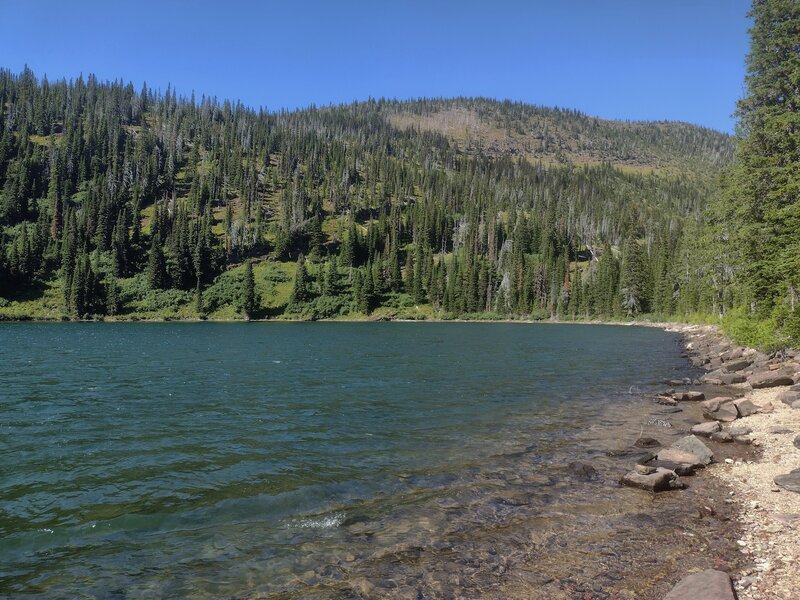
[751, 401]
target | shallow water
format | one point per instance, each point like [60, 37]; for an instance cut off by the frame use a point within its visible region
[324, 460]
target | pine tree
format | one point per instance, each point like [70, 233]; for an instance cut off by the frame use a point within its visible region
[632, 280]
[300, 291]
[249, 299]
[156, 267]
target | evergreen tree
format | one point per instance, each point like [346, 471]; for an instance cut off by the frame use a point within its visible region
[249, 298]
[300, 290]
[156, 267]
[632, 280]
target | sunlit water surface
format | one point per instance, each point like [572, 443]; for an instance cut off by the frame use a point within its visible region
[327, 459]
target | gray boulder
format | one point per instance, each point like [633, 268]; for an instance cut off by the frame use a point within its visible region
[689, 396]
[778, 430]
[731, 378]
[788, 397]
[687, 450]
[661, 480]
[738, 365]
[708, 585]
[720, 409]
[721, 437]
[732, 354]
[745, 408]
[790, 481]
[740, 429]
[707, 428]
[767, 379]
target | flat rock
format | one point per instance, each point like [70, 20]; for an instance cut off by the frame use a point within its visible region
[661, 480]
[731, 378]
[644, 469]
[720, 409]
[721, 437]
[790, 481]
[745, 407]
[666, 401]
[707, 428]
[740, 429]
[687, 450]
[738, 365]
[689, 396]
[732, 354]
[767, 379]
[778, 430]
[714, 402]
[707, 585]
[788, 397]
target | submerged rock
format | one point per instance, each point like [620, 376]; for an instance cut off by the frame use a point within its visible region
[666, 400]
[583, 471]
[646, 442]
[708, 585]
[661, 480]
[689, 396]
[688, 450]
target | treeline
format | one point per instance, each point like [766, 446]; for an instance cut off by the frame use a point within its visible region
[141, 202]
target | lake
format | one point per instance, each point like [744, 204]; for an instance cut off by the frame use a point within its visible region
[145, 460]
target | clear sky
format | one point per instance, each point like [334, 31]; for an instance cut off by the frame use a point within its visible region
[630, 59]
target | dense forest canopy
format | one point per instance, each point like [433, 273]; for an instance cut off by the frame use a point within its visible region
[145, 204]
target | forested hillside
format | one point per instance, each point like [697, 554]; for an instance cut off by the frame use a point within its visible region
[137, 203]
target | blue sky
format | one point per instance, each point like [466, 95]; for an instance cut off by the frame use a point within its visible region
[630, 59]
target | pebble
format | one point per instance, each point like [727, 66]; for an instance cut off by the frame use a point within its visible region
[728, 461]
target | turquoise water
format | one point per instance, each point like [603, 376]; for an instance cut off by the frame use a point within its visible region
[327, 459]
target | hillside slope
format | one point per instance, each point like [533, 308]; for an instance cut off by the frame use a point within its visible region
[131, 204]
[486, 127]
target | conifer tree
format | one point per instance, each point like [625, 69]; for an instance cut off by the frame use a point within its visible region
[156, 266]
[249, 298]
[300, 291]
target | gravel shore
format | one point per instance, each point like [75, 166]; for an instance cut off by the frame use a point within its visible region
[769, 514]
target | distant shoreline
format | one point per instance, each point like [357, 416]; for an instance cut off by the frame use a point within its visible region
[672, 326]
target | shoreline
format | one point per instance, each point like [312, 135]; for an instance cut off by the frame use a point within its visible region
[669, 326]
[767, 514]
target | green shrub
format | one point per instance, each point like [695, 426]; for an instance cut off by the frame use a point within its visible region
[750, 330]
